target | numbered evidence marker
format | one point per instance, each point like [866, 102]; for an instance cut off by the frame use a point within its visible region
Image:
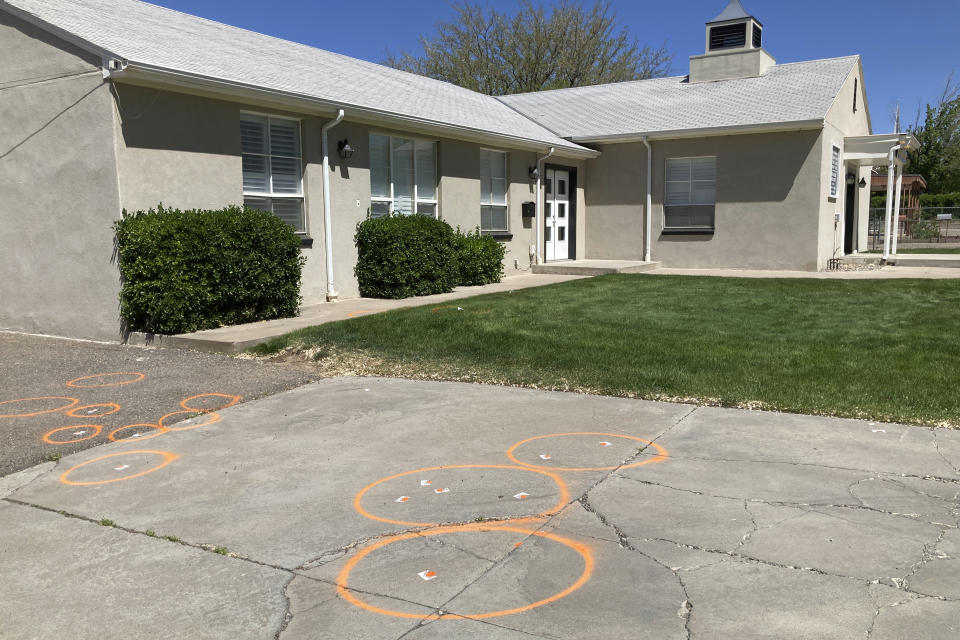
[428, 575]
[402, 499]
[544, 456]
[426, 483]
[604, 443]
[443, 490]
[522, 495]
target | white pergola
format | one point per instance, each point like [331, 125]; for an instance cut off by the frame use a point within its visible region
[872, 151]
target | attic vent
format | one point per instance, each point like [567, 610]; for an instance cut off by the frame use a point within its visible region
[757, 37]
[731, 36]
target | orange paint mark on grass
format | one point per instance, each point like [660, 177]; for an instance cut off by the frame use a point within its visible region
[660, 457]
[360, 312]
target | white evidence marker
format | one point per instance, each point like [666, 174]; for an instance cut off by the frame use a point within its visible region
[522, 495]
[136, 435]
[402, 499]
[878, 430]
[604, 443]
[89, 411]
[79, 433]
[426, 483]
[428, 575]
[544, 456]
[444, 490]
[121, 467]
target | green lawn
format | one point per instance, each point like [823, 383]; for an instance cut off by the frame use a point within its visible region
[934, 250]
[878, 349]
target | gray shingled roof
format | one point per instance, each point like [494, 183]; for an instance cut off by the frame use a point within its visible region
[795, 92]
[146, 34]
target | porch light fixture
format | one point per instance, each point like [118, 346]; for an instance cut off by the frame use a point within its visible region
[533, 172]
[851, 178]
[863, 182]
[344, 149]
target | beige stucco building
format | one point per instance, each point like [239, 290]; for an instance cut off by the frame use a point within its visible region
[739, 163]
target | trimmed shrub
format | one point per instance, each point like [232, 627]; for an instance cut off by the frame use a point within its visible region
[940, 200]
[479, 258]
[183, 271]
[403, 256]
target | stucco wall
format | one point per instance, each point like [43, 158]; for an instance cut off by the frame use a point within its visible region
[58, 188]
[842, 121]
[766, 207]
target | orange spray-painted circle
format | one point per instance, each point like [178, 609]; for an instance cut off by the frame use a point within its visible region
[660, 457]
[71, 402]
[561, 488]
[231, 400]
[343, 587]
[89, 410]
[98, 380]
[166, 456]
[198, 421]
[155, 430]
[94, 428]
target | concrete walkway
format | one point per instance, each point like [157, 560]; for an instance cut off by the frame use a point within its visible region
[239, 337]
[385, 509]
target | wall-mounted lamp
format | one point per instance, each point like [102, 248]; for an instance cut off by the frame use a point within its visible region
[534, 173]
[344, 149]
[851, 178]
[863, 182]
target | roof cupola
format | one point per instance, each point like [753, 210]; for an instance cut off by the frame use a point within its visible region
[734, 48]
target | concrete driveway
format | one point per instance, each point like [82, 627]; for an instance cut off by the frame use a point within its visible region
[61, 396]
[372, 508]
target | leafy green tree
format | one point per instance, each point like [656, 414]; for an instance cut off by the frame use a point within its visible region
[938, 159]
[534, 49]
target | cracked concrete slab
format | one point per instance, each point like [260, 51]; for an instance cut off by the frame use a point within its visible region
[699, 544]
[917, 618]
[90, 581]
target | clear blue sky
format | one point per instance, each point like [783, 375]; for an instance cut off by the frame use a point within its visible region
[908, 48]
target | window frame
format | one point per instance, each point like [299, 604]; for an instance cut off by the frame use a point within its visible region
[271, 194]
[417, 200]
[688, 229]
[836, 160]
[506, 193]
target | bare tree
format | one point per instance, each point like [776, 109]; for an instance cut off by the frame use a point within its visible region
[532, 50]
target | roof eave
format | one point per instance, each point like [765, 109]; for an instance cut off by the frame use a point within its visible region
[63, 34]
[772, 127]
[298, 101]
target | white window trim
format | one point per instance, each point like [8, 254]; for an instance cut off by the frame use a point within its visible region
[417, 200]
[300, 195]
[663, 208]
[506, 194]
[834, 187]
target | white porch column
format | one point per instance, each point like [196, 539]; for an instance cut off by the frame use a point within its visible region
[896, 207]
[886, 235]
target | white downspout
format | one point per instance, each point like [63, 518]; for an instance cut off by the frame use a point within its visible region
[538, 257]
[896, 209]
[327, 230]
[889, 212]
[648, 229]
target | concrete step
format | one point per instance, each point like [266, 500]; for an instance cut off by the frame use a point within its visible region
[926, 260]
[594, 267]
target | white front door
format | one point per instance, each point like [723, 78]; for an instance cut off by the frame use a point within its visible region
[556, 214]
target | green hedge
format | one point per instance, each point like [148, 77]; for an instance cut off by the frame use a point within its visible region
[479, 258]
[183, 271]
[940, 200]
[403, 256]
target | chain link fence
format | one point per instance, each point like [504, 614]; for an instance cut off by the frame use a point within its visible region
[917, 228]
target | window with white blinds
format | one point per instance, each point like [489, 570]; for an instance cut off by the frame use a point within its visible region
[403, 176]
[835, 172]
[691, 193]
[272, 167]
[493, 190]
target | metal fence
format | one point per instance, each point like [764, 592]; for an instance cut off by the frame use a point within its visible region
[917, 227]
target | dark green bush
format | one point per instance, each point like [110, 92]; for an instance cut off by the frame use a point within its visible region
[940, 200]
[184, 271]
[403, 256]
[479, 258]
